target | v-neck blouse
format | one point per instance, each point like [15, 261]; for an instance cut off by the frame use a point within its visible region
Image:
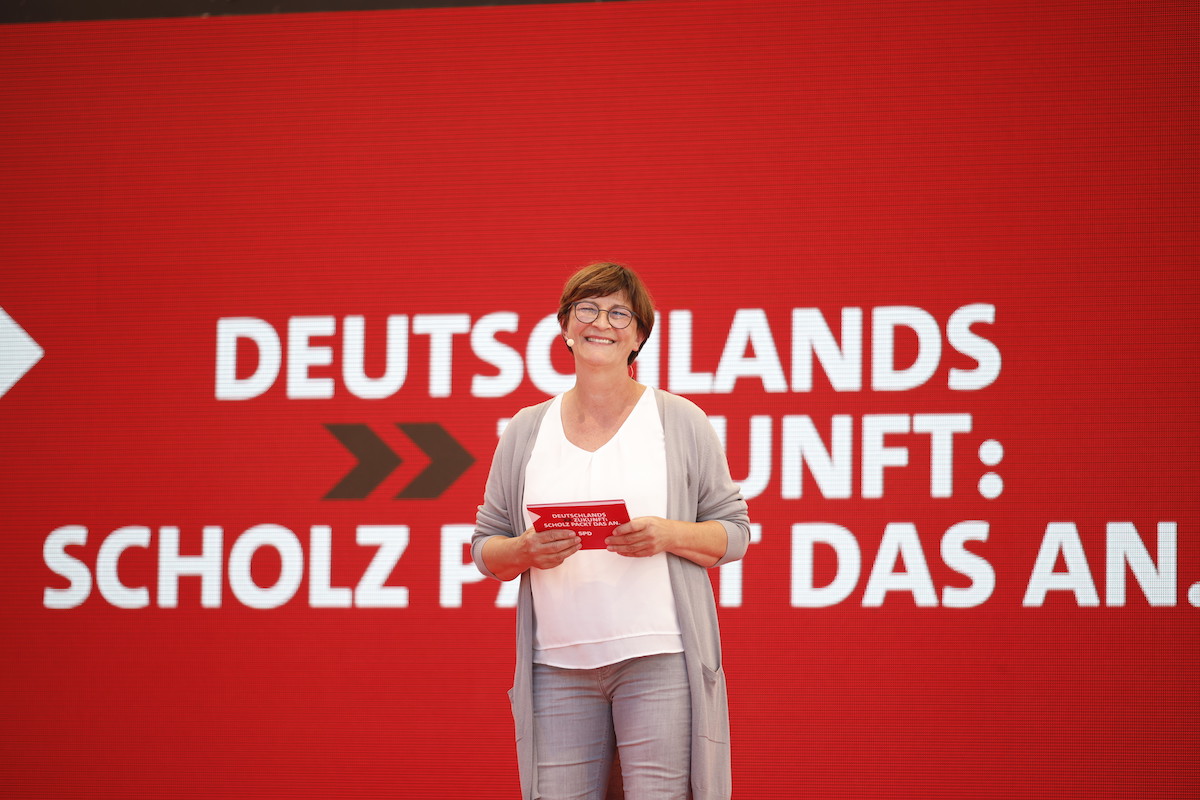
[597, 607]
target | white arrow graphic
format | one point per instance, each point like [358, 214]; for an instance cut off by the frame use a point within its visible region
[18, 352]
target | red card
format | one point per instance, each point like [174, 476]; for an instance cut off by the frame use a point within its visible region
[593, 521]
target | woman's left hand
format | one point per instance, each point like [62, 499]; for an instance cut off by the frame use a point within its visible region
[642, 537]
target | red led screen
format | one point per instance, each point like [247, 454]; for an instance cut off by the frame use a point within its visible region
[271, 285]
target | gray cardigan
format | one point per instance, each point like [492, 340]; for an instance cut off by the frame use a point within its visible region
[699, 488]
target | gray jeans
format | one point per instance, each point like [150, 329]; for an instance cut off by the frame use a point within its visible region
[642, 705]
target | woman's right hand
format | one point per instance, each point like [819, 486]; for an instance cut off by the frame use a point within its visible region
[509, 556]
[547, 549]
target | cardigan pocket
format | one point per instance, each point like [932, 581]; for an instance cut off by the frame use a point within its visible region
[714, 717]
[520, 721]
[711, 777]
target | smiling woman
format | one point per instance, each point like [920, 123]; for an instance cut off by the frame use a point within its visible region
[624, 657]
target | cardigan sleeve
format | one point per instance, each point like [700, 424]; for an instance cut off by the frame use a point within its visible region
[717, 497]
[494, 517]
[501, 513]
[720, 498]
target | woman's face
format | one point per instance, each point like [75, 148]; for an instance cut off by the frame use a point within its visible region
[599, 341]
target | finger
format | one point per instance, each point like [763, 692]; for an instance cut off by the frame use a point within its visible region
[562, 546]
[558, 534]
[550, 541]
[624, 548]
[571, 544]
[633, 526]
[556, 558]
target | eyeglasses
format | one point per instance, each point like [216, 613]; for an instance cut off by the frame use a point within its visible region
[588, 312]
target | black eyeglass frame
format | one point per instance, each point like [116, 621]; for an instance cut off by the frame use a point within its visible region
[607, 313]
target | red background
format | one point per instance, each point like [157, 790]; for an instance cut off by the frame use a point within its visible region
[158, 176]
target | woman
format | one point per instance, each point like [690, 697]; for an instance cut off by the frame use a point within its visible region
[616, 647]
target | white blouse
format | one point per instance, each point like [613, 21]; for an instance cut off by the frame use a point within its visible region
[597, 607]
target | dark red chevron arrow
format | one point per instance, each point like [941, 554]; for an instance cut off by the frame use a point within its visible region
[375, 461]
[447, 460]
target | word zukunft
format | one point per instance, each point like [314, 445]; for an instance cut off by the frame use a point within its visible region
[253, 355]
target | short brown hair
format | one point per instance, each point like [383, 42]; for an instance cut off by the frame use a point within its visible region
[604, 278]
